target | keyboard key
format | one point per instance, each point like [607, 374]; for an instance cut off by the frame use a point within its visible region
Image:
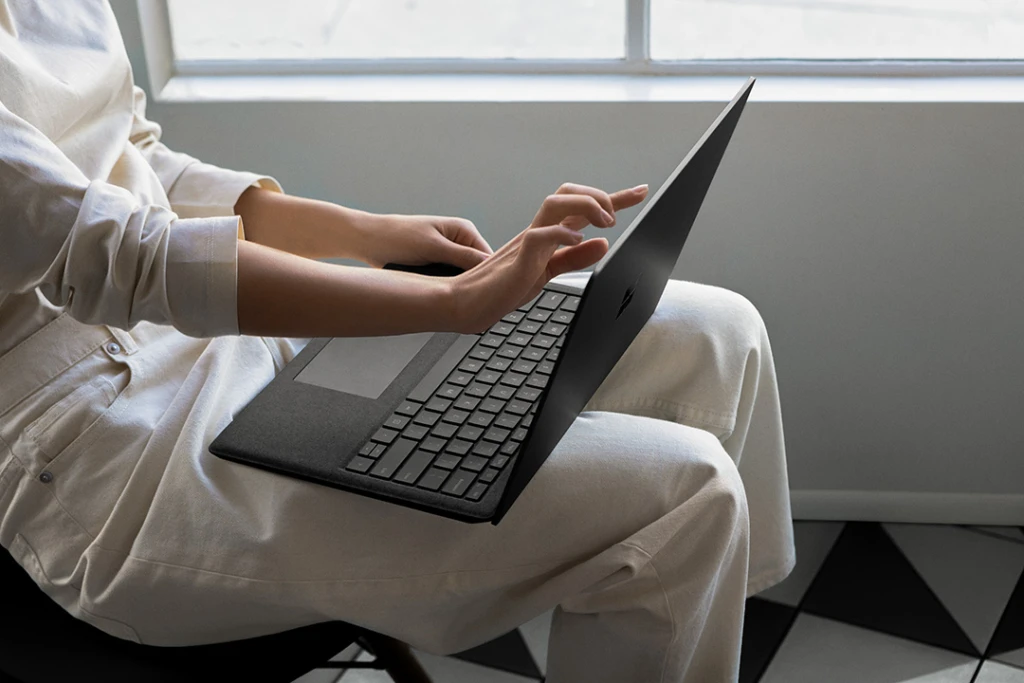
[460, 378]
[550, 300]
[458, 482]
[533, 353]
[397, 421]
[509, 448]
[367, 449]
[459, 447]
[529, 327]
[360, 464]
[489, 475]
[413, 467]
[502, 392]
[506, 421]
[523, 366]
[528, 420]
[562, 317]
[485, 449]
[377, 450]
[519, 339]
[426, 417]
[456, 417]
[478, 390]
[572, 303]
[407, 408]
[489, 377]
[433, 444]
[448, 461]
[492, 340]
[438, 405]
[537, 381]
[519, 434]
[554, 329]
[539, 315]
[481, 419]
[481, 353]
[544, 341]
[451, 391]
[500, 461]
[528, 394]
[510, 352]
[496, 434]
[444, 430]
[514, 317]
[518, 407]
[474, 463]
[546, 367]
[552, 354]
[467, 402]
[492, 405]
[470, 433]
[529, 304]
[499, 364]
[513, 379]
[471, 365]
[504, 329]
[393, 458]
[476, 491]
[433, 479]
[558, 344]
[384, 435]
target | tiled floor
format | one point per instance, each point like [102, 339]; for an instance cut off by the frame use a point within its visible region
[868, 603]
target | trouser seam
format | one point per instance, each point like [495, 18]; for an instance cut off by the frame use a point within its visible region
[668, 604]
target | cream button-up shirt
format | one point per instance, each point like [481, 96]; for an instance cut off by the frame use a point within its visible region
[97, 217]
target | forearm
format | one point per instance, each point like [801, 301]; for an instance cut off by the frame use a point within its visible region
[305, 227]
[284, 295]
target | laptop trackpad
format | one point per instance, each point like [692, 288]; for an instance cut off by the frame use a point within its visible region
[364, 366]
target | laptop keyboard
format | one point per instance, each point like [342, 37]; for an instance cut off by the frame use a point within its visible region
[456, 434]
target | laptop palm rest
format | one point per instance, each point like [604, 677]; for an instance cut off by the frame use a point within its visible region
[363, 366]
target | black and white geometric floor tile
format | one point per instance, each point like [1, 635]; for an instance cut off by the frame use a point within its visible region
[867, 603]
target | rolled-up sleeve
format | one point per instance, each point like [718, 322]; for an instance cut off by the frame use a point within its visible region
[194, 189]
[95, 248]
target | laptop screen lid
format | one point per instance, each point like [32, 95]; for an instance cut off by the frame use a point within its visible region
[621, 295]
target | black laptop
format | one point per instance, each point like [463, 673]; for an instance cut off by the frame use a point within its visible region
[457, 425]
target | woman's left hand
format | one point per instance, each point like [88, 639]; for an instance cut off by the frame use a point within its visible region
[419, 240]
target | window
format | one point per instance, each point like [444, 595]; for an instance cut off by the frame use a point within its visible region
[585, 35]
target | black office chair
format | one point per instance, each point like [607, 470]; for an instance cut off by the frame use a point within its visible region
[41, 643]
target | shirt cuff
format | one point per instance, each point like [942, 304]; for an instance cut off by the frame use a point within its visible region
[202, 276]
[204, 190]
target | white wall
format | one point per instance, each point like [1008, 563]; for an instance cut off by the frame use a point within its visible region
[881, 242]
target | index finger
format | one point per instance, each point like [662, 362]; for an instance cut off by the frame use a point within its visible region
[623, 199]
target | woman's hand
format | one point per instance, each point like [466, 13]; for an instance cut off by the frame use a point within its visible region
[552, 245]
[419, 240]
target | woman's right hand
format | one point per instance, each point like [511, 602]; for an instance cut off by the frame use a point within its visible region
[552, 245]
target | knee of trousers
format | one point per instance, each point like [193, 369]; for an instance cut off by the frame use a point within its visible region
[701, 500]
[723, 316]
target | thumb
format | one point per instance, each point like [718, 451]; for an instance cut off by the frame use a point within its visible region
[578, 257]
[463, 257]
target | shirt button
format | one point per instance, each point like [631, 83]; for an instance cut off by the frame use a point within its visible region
[113, 348]
[45, 477]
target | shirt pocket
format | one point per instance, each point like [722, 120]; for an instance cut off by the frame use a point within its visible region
[71, 417]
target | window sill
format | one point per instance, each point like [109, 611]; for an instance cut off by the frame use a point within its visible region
[585, 88]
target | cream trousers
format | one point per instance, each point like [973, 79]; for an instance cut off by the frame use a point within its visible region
[664, 506]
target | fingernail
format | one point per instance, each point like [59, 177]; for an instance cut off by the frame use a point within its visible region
[578, 237]
[608, 218]
[640, 188]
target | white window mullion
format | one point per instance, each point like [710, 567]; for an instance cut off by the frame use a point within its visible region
[638, 32]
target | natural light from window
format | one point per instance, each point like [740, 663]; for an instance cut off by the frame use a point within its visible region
[578, 30]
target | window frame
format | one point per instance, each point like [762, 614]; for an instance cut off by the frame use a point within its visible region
[163, 65]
